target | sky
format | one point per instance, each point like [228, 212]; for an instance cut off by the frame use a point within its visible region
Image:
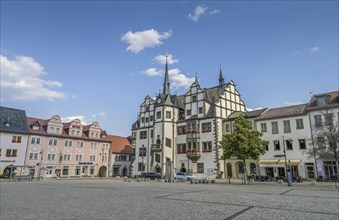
[98, 60]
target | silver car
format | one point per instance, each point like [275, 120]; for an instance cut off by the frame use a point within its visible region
[183, 176]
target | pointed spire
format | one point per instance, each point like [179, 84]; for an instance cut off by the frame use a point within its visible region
[196, 79]
[166, 90]
[221, 78]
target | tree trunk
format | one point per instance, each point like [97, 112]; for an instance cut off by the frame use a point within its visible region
[245, 173]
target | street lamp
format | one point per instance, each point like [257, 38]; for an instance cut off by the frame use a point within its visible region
[287, 173]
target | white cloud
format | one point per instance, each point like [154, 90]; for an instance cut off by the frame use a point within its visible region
[177, 79]
[142, 39]
[253, 109]
[315, 49]
[199, 10]
[162, 59]
[21, 80]
[216, 11]
[153, 72]
[82, 118]
[102, 114]
[296, 52]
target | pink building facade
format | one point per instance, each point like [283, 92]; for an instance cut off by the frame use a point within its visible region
[59, 149]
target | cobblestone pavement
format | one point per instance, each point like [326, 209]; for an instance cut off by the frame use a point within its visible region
[116, 199]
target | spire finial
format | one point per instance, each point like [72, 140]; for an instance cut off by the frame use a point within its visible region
[166, 90]
[221, 78]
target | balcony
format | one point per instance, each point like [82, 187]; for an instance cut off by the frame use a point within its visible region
[156, 147]
[193, 135]
[193, 155]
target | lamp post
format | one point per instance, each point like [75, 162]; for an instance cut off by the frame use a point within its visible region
[287, 173]
[285, 156]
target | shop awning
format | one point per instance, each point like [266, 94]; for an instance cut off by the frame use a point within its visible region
[268, 161]
[280, 161]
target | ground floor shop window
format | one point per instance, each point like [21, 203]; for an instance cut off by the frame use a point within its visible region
[269, 172]
[330, 169]
[253, 168]
[77, 170]
[240, 167]
[310, 170]
[91, 170]
[65, 170]
[116, 171]
[84, 170]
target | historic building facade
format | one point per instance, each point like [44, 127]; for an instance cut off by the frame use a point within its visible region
[235, 168]
[181, 133]
[122, 157]
[59, 149]
[13, 139]
[287, 131]
[323, 113]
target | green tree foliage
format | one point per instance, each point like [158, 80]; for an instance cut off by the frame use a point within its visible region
[244, 143]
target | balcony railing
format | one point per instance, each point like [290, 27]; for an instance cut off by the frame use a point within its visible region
[193, 155]
[156, 147]
[193, 136]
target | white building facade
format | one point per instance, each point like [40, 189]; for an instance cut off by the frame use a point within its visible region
[287, 130]
[323, 111]
[181, 133]
[13, 139]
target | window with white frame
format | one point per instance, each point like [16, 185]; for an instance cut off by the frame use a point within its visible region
[318, 121]
[50, 156]
[287, 126]
[80, 144]
[300, 123]
[78, 157]
[302, 144]
[53, 142]
[92, 158]
[33, 156]
[263, 127]
[94, 145]
[68, 143]
[35, 140]
[276, 144]
[274, 127]
[67, 157]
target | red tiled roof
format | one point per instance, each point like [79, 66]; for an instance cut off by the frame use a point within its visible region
[293, 110]
[120, 144]
[333, 99]
[43, 129]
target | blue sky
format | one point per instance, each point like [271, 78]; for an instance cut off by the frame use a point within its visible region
[97, 60]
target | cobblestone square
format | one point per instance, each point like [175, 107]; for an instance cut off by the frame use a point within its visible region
[116, 199]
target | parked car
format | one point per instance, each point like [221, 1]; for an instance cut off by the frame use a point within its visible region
[183, 176]
[153, 176]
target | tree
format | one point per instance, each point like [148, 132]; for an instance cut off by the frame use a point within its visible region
[244, 143]
[325, 140]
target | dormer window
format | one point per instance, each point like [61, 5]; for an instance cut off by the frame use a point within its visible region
[36, 127]
[321, 101]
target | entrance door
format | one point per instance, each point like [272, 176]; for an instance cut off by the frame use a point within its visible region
[102, 171]
[281, 171]
[269, 172]
[310, 172]
[85, 170]
[49, 171]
